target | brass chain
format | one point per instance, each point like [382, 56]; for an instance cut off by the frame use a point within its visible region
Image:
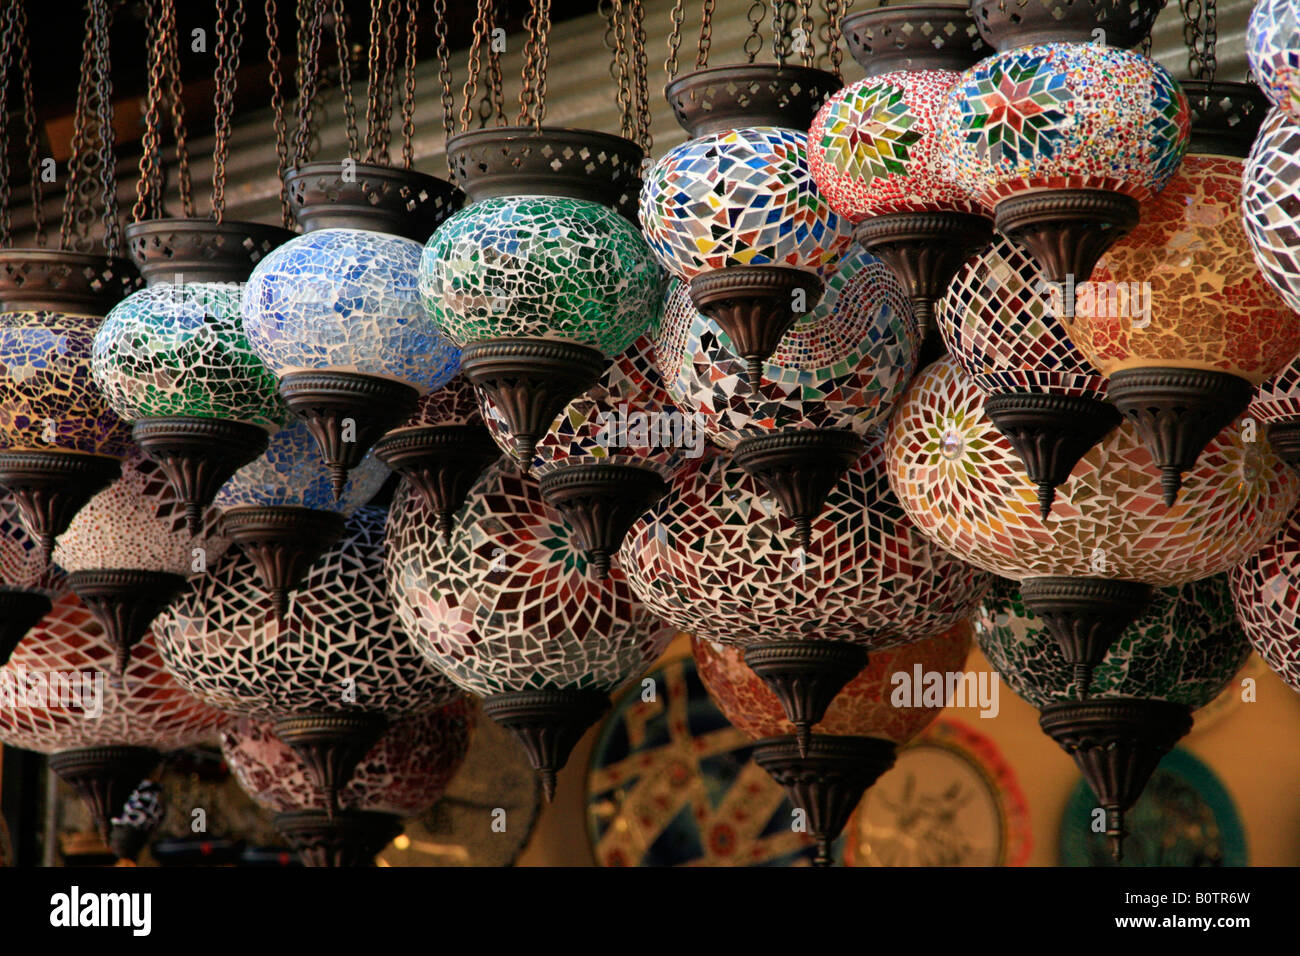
[482, 19]
[543, 58]
[147, 202]
[1211, 40]
[176, 98]
[532, 94]
[620, 67]
[384, 140]
[104, 95]
[7, 41]
[29, 122]
[675, 39]
[834, 34]
[345, 77]
[444, 71]
[90, 176]
[1192, 11]
[495, 94]
[374, 79]
[311, 23]
[641, 78]
[808, 32]
[408, 84]
[783, 15]
[276, 61]
[706, 35]
[229, 38]
[754, 41]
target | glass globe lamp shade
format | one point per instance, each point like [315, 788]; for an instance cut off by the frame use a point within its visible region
[1083, 130]
[1273, 50]
[1270, 182]
[542, 292]
[27, 581]
[1002, 324]
[508, 610]
[1276, 405]
[336, 315]
[1266, 592]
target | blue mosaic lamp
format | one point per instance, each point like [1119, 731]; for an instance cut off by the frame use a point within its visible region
[283, 510]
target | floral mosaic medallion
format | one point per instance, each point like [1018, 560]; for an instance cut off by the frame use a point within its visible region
[1064, 116]
[543, 267]
[743, 197]
[1273, 49]
[339, 647]
[874, 148]
[1270, 187]
[1182, 288]
[509, 603]
[844, 364]
[714, 556]
[962, 484]
[1266, 588]
[1001, 324]
[48, 398]
[149, 708]
[404, 773]
[346, 300]
[180, 350]
[1186, 648]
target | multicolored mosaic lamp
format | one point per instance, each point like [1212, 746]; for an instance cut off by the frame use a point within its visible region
[1266, 590]
[402, 775]
[1276, 405]
[609, 454]
[852, 745]
[104, 737]
[28, 582]
[1177, 316]
[710, 558]
[332, 673]
[509, 611]
[128, 552]
[442, 449]
[1273, 50]
[1089, 569]
[874, 148]
[826, 391]
[1002, 324]
[734, 211]
[282, 510]
[1176, 657]
[1063, 141]
[1270, 184]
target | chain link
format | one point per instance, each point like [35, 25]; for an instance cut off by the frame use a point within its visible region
[147, 205]
[495, 94]
[444, 72]
[176, 99]
[1211, 40]
[532, 95]
[384, 135]
[641, 79]
[230, 38]
[8, 39]
[276, 61]
[408, 83]
[29, 122]
[756, 14]
[834, 34]
[91, 166]
[340, 17]
[706, 35]
[808, 32]
[311, 23]
[482, 21]
[619, 65]
[675, 39]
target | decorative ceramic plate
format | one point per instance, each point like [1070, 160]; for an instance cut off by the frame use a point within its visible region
[950, 800]
[1184, 817]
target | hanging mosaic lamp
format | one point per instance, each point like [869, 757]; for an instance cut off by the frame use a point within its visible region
[874, 148]
[335, 313]
[1174, 658]
[103, 737]
[128, 552]
[609, 454]
[282, 510]
[331, 674]
[28, 583]
[1270, 182]
[1273, 50]
[1089, 569]
[1276, 405]
[1002, 325]
[852, 745]
[59, 441]
[139, 818]
[825, 393]
[1063, 141]
[402, 775]
[509, 611]
[442, 449]
[710, 558]
[1266, 590]
[1177, 316]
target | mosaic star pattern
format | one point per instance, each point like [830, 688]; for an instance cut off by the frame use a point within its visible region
[404, 773]
[714, 557]
[1186, 648]
[1064, 116]
[874, 147]
[137, 522]
[1001, 322]
[48, 398]
[862, 709]
[626, 417]
[1269, 193]
[963, 485]
[222, 640]
[543, 267]
[744, 197]
[1266, 591]
[290, 472]
[1273, 49]
[843, 364]
[346, 300]
[180, 350]
[1209, 307]
[149, 708]
[510, 604]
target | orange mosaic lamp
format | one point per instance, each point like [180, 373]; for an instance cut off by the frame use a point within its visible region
[1088, 569]
[1177, 315]
[852, 745]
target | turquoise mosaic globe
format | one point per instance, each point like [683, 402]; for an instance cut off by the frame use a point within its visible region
[180, 350]
[346, 300]
[543, 267]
